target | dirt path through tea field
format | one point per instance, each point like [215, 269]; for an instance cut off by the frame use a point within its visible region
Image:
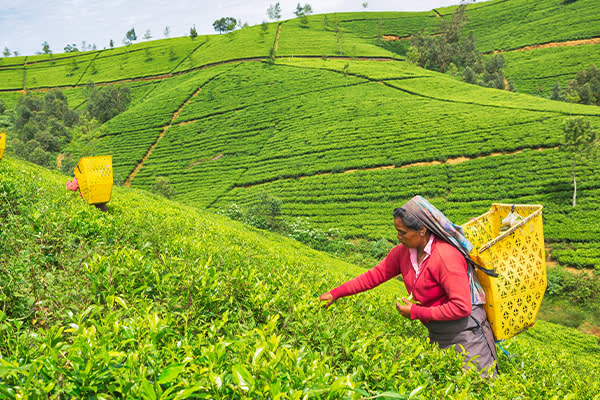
[595, 40]
[456, 160]
[162, 133]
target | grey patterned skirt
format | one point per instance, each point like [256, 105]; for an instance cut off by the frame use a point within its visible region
[473, 333]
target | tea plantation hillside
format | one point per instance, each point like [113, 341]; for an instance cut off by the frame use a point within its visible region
[504, 26]
[343, 143]
[154, 299]
[498, 25]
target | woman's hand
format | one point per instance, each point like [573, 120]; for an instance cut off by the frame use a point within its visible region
[328, 297]
[404, 309]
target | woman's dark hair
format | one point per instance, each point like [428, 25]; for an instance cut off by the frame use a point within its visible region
[407, 219]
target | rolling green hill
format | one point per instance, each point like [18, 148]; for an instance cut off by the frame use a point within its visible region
[154, 299]
[159, 298]
[227, 134]
[225, 126]
[536, 71]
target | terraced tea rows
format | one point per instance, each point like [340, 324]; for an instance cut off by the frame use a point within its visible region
[538, 69]
[241, 130]
[360, 203]
[218, 128]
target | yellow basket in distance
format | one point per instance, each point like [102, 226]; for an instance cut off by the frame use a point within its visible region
[2, 143]
[513, 299]
[95, 178]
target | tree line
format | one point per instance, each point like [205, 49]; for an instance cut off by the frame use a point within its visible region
[41, 127]
[453, 51]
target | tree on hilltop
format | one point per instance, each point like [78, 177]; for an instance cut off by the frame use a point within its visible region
[71, 48]
[302, 12]
[274, 11]
[46, 48]
[167, 31]
[130, 36]
[225, 24]
[581, 141]
[193, 32]
[147, 35]
[6, 52]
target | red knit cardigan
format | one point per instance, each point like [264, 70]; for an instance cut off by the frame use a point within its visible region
[442, 286]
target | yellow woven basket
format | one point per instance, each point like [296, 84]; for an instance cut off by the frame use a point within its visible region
[513, 299]
[2, 143]
[95, 178]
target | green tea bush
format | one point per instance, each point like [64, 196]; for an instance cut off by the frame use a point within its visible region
[381, 248]
[163, 187]
[153, 299]
[580, 288]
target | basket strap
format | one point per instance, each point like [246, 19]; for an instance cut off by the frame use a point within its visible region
[506, 352]
[491, 272]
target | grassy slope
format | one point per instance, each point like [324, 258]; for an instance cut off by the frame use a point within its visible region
[506, 25]
[154, 298]
[496, 24]
[520, 23]
[540, 69]
[227, 127]
[503, 24]
[264, 125]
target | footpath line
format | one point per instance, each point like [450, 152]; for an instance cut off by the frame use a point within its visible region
[568, 43]
[162, 134]
[456, 160]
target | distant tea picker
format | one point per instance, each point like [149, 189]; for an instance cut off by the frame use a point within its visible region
[437, 264]
[94, 180]
[2, 143]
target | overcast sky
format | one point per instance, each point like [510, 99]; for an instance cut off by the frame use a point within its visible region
[26, 24]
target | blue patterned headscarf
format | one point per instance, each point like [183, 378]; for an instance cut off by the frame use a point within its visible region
[436, 222]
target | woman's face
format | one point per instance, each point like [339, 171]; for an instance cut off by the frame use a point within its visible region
[408, 237]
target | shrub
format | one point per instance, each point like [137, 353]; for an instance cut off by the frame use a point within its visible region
[381, 248]
[105, 103]
[301, 230]
[163, 187]
[266, 213]
[40, 156]
[577, 287]
[586, 86]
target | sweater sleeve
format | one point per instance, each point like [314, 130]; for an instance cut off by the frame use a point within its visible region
[454, 280]
[388, 268]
